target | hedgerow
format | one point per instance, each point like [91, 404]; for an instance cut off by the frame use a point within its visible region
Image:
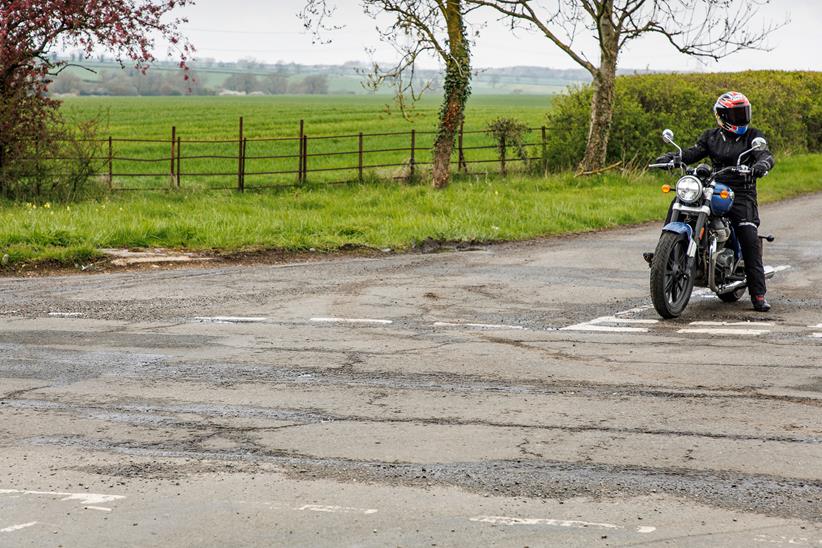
[785, 108]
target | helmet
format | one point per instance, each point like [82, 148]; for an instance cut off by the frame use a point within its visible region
[733, 112]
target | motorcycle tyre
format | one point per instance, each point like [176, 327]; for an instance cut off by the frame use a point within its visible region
[666, 246]
[733, 296]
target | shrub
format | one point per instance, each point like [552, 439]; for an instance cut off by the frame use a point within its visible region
[784, 108]
[508, 133]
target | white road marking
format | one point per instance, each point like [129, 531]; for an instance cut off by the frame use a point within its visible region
[65, 314]
[637, 310]
[85, 498]
[230, 319]
[730, 324]
[502, 520]
[351, 320]
[782, 268]
[336, 509]
[575, 524]
[596, 325]
[477, 325]
[614, 319]
[749, 332]
[818, 326]
[98, 508]
[14, 528]
[817, 336]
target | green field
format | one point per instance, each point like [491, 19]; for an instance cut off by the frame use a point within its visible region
[217, 118]
[376, 215]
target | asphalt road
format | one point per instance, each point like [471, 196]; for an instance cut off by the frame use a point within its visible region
[518, 395]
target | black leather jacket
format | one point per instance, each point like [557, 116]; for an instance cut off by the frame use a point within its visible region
[724, 149]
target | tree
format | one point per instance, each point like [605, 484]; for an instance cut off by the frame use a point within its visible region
[245, 82]
[708, 29]
[275, 84]
[31, 31]
[418, 28]
[316, 84]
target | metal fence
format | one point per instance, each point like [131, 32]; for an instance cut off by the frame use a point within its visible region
[246, 163]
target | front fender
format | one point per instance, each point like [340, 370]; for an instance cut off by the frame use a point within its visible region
[683, 229]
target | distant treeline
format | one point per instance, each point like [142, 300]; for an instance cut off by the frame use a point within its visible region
[102, 76]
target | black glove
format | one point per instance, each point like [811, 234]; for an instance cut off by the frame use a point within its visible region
[666, 158]
[759, 170]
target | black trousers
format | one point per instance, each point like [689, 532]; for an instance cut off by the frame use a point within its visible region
[744, 217]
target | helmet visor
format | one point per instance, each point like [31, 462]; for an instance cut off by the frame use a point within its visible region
[737, 116]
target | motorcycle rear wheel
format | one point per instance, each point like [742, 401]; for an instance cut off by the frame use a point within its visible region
[671, 285]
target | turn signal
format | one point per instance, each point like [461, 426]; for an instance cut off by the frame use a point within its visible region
[666, 188]
[724, 194]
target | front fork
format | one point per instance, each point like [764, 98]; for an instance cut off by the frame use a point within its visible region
[693, 245]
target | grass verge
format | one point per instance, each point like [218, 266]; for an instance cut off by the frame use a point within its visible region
[378, 215]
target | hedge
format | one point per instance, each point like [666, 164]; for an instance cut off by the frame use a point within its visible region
[785, 107]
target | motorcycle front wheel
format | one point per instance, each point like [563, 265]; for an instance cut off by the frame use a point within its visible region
[671, 284]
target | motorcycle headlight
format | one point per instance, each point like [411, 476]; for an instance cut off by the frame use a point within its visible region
[689, 189]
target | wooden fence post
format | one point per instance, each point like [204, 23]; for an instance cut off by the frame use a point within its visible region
[502, 153]
[413, 164]
[179, 147]
[245, 153]
[461, 165]
[173, 160]
[305, 158]
[544, 152]
[240, 159]
[110, 162]
[359, 167]
[301, 168]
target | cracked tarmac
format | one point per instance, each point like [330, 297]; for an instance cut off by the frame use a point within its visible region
[467, 416]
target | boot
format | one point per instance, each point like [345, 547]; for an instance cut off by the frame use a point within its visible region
[649, 258]
[760, 304]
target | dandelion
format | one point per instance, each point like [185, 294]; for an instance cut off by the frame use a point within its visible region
[47, 205]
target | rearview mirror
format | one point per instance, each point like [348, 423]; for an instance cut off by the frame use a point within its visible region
[668, 136]
[759, 143]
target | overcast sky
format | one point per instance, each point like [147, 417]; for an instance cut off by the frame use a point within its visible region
[269, 30]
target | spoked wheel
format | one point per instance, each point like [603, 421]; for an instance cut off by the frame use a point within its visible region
[733, 296]
[671, 283]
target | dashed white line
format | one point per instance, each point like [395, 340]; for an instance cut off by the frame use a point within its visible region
[816, 336]
[85, 498]
[14, 528]
[230, 319]
[574, 524]
[604, 328]
[477, 325]
[732, 324]
[65, 314]
[98, 508]
[351, 320]
[336, 509]
[747, 332]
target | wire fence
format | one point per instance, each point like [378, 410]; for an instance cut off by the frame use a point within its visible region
[248, 163]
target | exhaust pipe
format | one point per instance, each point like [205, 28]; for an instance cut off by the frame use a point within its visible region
[770, 272]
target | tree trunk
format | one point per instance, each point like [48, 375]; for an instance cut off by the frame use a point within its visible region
[602, 103]
[602, 113]
[457, 90]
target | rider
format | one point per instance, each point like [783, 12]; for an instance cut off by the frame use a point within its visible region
[724, 145]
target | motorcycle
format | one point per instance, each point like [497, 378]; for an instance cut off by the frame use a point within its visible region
[699, 247]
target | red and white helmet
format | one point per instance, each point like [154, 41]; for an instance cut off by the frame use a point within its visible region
[733, 112]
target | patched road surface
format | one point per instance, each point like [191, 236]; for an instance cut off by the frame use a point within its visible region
[516, 395]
